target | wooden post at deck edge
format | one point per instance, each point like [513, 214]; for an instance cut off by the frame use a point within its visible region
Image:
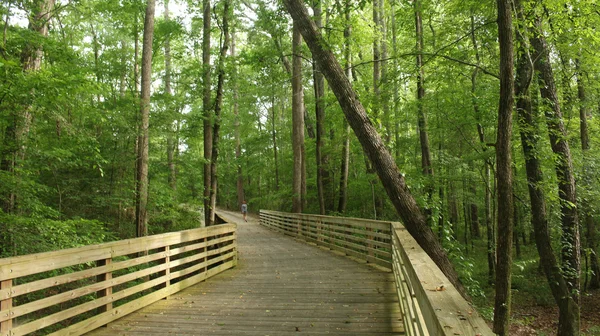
[6, 306]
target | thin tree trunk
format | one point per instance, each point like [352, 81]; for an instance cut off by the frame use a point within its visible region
[426, 166]
[589, 220]
[345, 164]
[568, 308]
[218, 108]
[396, 102]
[564, 165]
[319, 87]
[236, 113]
[297, 121]
[171, 144]
[389, 174]
[207, 110]
[504, 172]
[142, 176]
[274, 136]
[384, 87]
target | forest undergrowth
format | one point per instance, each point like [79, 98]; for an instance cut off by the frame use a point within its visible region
[534, 312]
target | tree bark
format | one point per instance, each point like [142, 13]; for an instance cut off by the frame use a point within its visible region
[319, 87]
[504, 171]
[218, 107]
[391, 178]
[171, 141]
[142, 166]
[207, 109]
[236, 113]
[568, 308]
[345, 164]
[426, 166]
[564, 166]
[589, 220]
[297, 121]
[274, 137]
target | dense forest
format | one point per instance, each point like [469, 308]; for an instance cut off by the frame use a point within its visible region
[474, 123]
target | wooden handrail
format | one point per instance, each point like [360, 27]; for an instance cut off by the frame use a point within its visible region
[429, 302]
[76, 290]
[364, 239]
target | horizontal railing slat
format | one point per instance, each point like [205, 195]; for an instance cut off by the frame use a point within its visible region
[426, 310]
[91, 293]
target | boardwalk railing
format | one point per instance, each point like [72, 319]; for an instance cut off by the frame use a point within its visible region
[430, 304]
[73, 291]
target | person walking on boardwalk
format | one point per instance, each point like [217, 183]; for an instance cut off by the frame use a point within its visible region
[244, 210]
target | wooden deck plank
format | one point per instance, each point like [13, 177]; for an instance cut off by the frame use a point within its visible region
[280, 287]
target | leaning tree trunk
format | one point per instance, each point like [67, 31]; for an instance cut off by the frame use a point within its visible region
[389, 174]
[297, 121]
[564, 165]
[206, 107]
[568, 308]
[142, 167]
[504, 171]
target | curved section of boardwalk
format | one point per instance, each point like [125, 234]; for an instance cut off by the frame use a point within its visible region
[280, 287]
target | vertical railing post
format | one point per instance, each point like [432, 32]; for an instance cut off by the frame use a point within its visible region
[167, 261]
[107, 291]
[205, 260]
[370, 246]
[235, 249]
[6, 306]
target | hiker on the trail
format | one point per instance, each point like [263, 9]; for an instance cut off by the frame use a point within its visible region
[244, 210]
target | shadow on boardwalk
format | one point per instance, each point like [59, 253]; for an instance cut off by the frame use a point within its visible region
[280, 287]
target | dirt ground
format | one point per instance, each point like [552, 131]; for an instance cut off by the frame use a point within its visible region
[543, 320]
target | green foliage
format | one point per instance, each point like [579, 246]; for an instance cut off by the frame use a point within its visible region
[35, 235]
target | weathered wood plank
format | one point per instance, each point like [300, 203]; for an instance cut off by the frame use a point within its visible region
[279, 284]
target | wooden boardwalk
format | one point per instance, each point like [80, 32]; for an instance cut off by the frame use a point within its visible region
[280, 287]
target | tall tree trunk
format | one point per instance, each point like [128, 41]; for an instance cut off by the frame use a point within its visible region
[564, 165]
[207, 110]
[123, 81]
[474, 210]
[568, 308]
[384, 87]
[236, 113]
[171, 142]
[345, 164]
[141, 218]
[319, 87]
[389, 174]
[422, 117]
[589, 220]
[396, 102]
[297, 121]
[310, 130]
[504, 171]
[218, 107]
[489, 224]
[274, 137]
